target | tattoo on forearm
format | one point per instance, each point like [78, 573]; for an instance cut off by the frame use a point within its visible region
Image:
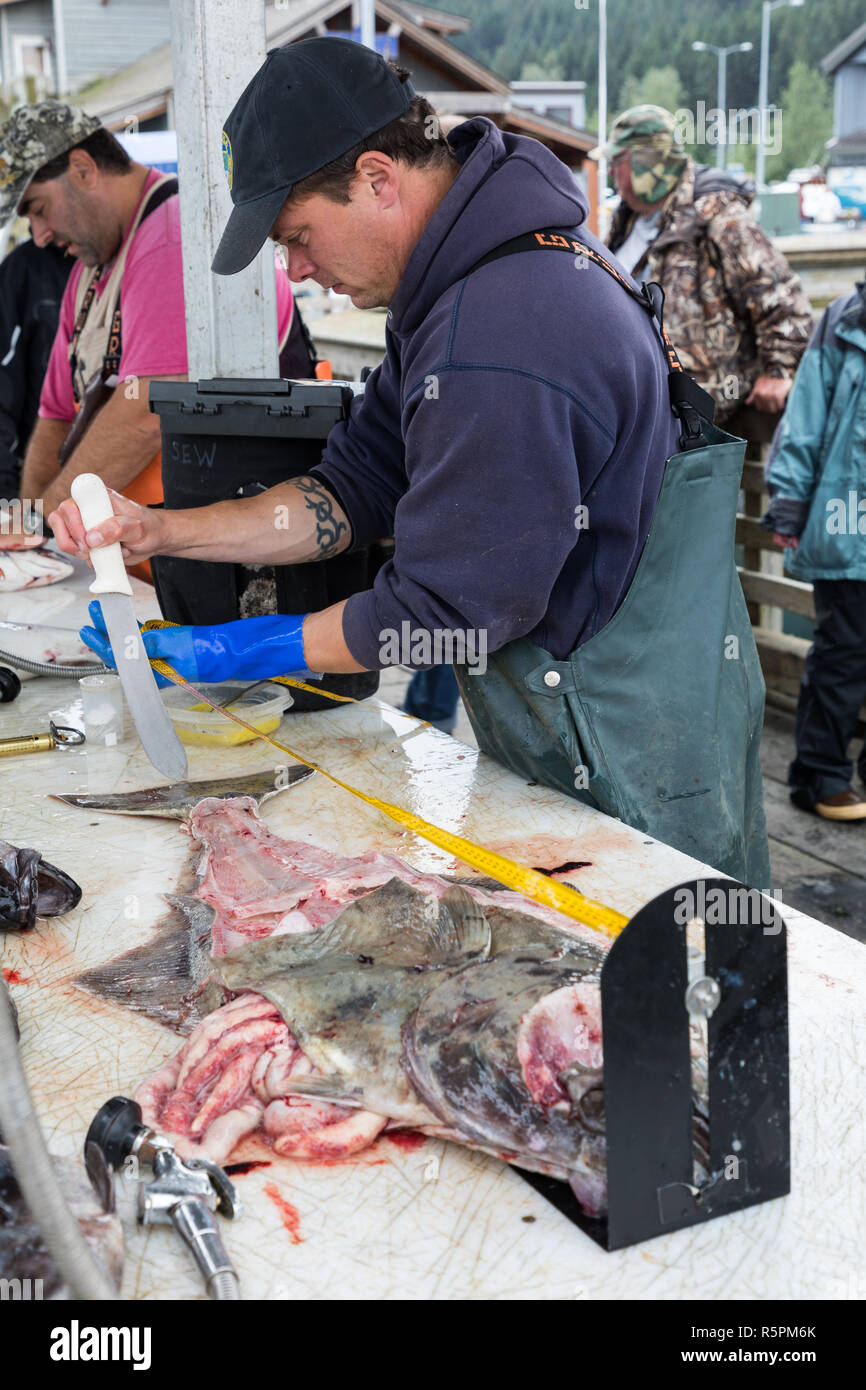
[329, 528]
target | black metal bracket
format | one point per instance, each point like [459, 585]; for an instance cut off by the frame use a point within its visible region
[647, 1070]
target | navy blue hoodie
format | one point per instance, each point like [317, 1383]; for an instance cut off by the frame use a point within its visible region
[507, 400]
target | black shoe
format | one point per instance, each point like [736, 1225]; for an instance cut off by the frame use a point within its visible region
[803, 798]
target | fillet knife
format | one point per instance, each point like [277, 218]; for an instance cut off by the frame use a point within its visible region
[111, 585]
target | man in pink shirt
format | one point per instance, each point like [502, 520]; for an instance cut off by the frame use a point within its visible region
[122, 321]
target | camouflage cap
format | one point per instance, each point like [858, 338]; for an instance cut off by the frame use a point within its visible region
[640, 125]
[31, 138]
[657, 156]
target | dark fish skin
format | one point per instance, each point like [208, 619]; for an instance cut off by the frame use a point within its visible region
[460, 1055]
[411, 1006]
[30, 887]
[169, 979]
[347, 988]
[23, 1254]
[174, 802]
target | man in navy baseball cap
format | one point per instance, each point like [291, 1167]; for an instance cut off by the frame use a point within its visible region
[513, 442]
[308, 104]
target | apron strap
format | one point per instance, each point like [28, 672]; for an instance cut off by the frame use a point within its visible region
[691, 404]
[159, 193]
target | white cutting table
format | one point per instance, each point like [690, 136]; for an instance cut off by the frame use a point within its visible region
[436, 1221]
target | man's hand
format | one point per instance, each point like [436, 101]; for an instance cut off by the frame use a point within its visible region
[770, 393]
[786, 542]
[287, 525]
[140, 530]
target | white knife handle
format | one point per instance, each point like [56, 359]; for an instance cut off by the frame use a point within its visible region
[90, 493]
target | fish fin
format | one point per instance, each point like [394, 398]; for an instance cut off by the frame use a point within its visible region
[468, 922]
[169, 977]
[398, 925]
[395, 926]
[331, 1088]
[175, 801]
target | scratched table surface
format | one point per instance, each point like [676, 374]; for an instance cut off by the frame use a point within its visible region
[433, 1221]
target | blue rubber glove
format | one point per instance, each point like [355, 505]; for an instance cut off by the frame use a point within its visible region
[248, 649]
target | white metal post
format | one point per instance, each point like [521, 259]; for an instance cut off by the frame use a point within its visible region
[231, 322]
[5, 54]
[60, 71]
[602, 116]
[368, 23]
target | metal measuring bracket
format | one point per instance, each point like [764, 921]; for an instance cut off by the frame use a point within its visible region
[694, 995]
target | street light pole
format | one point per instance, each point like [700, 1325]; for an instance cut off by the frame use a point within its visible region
[602, 114]
[763, 83]
[763, 80]
[722, 88]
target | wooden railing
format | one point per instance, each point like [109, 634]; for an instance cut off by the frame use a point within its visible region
[769, 594]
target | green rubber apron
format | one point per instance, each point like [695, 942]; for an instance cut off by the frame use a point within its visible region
[656, 719]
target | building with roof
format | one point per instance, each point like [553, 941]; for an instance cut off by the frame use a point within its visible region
[114, 58]
[846, 171]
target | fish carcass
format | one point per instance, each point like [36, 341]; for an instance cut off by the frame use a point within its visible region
[23, 1253]
[30, 569]
[368, 996]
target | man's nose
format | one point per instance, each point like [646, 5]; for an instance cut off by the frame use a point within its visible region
[40, 232]
[300, 267]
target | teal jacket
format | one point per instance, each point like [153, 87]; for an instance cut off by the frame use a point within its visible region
[816, 472]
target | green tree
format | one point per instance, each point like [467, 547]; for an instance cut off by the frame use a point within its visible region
[549, 70]
[657, 87]
[806, 121]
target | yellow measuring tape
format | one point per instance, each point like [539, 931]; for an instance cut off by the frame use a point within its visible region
[532, 884]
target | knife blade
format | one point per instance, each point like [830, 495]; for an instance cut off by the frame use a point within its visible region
[112, 587]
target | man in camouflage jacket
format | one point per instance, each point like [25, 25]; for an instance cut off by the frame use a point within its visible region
[734, 309]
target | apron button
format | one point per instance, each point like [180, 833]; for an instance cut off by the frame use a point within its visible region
[552, 678]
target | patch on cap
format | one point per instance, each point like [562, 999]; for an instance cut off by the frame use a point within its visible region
[228, 161]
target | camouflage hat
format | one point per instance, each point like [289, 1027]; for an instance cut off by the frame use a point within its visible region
[31, 138]
[657, 156]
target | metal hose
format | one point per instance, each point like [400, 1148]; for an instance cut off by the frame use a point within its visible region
[44, 668]
[224, 1286]
[35, 1173]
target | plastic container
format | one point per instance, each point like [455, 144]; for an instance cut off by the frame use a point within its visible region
[199, 725]
[104, 709]
[223, 439]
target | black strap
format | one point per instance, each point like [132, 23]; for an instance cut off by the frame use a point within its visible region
[111, 361]
[689, 402]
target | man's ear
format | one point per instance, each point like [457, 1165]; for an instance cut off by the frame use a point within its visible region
[83, 169]
[379, 173]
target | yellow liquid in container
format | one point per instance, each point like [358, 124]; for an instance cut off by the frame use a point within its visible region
[222, 733]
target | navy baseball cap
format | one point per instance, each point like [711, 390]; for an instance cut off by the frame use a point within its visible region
[308, 103]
